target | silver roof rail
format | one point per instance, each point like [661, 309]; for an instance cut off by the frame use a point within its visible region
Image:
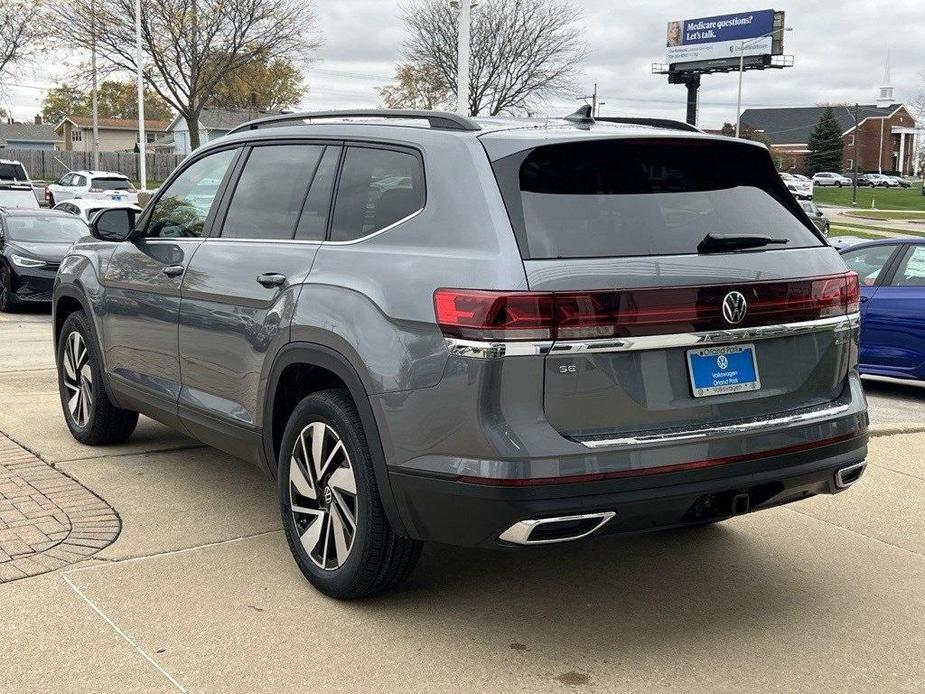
[438, 120]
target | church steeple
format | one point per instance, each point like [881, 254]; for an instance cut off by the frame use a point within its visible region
[886, 88]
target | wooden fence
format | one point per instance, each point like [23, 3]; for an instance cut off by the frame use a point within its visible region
[50, 165]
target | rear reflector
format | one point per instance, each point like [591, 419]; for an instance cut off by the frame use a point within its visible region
[660, 470]
[488, 315]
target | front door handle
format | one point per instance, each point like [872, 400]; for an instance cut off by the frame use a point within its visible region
[173, 270]
[271, 279]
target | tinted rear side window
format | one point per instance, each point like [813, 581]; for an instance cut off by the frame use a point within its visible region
[269, 194]
[607, 198]
[110, 184]
[377, 188]
[12, 172]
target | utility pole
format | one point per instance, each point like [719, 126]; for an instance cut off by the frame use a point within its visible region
[593, 97]
[139, 63]
[854, 193]
[462, 57]
[93, 100]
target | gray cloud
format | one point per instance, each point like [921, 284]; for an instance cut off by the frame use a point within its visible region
[839, 50]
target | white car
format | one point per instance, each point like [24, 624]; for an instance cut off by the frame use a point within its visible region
[87, 209]
[91, 185]
[875, 180]
[15, 186]
[802, 190]
[830, 178]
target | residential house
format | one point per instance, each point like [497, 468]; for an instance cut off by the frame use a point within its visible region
[37, 135]
[115, 134]
[213, 123]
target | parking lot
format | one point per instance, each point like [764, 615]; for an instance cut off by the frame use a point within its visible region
[199, 591]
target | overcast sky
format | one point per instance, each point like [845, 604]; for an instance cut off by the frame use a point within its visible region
[839, 49]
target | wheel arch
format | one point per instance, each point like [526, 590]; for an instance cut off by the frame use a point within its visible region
[329, 369]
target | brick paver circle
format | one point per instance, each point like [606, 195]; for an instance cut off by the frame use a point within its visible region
[47, 519]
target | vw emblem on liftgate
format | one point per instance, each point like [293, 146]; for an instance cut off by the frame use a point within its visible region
[734, 307]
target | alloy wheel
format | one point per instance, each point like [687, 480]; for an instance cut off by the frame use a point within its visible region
[78, 378]
[323, 495]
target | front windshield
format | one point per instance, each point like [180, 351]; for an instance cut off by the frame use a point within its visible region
[45, 229]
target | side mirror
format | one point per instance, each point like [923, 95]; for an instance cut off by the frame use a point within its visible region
[116, 224]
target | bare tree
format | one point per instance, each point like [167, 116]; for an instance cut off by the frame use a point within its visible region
[19, 30]
[522, 50]
[190, 46]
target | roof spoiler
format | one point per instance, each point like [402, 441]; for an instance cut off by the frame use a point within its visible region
[653, 122]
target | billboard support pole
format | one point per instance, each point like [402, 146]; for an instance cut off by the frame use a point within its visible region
[739, 98]
[692, 82]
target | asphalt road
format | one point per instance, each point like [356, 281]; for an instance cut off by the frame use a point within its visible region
[199, 593]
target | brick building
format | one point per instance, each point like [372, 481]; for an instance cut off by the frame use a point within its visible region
[887, 136]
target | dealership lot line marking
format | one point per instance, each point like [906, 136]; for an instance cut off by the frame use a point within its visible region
[848, 530]
[124, 635]
[116, 562]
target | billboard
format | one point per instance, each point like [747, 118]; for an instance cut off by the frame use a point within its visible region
[721, 37]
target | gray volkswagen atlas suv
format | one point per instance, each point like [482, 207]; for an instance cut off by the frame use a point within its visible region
[490, 333]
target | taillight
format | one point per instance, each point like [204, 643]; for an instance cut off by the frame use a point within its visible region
[487, 315]
[852, 293]
[494, 315]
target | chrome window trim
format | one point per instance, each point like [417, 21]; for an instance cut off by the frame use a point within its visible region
[375, 233]
[487, 349]
[685, 436]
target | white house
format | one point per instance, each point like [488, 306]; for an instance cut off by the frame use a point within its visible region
[213, 123]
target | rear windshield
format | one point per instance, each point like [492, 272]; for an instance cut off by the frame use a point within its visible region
[45, 229]
[12, 172]
[603, 198]
[111, 184]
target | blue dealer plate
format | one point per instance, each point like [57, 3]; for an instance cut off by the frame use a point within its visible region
[719, 370]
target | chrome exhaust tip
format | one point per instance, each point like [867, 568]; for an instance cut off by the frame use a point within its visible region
[847, 476]
[546, 531]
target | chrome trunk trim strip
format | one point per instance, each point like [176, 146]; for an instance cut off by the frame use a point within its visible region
[686, 436]
[485, 349]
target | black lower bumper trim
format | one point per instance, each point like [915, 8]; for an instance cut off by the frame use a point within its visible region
[460, 513]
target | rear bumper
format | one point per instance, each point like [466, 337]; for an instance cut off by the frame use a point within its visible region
[461, 513]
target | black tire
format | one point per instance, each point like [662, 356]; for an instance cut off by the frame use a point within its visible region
[377, 559]
[7, 301]
[101, 422]
[838, 185]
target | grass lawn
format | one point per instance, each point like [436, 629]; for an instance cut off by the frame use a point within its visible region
[883, 198]
[857, 233]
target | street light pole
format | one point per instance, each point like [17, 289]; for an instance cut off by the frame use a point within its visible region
[742, 47]
[462, 57]
[93, 100]
[142, 163]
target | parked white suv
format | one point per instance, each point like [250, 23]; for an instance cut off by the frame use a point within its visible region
[16, 187]
[802, 190]
[91, 185]
[87, 209]
[829, 178]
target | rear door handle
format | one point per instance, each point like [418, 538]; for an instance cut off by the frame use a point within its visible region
[173, 270]
[271, 279]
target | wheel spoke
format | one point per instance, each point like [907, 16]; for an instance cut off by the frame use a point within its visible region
[342, 507]
[318, 430]
[339, 446]
[342, 478]
[88, 397]
[326, 541]
[68, 364]
[70, 386]
[341, 546]
[308, 511]
[298, 479]
[312, 534]
[73, 403]
[87, 373]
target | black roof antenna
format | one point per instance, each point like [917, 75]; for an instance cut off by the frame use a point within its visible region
[582, 116]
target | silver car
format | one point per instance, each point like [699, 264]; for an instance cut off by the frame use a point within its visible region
[482, 332]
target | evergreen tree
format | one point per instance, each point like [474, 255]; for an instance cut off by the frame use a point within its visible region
[825, 144]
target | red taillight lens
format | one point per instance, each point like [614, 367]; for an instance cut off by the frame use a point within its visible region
[477, 314]
[853, 293]
[494, 315]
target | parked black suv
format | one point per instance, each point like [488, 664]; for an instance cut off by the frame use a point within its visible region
[483, 332]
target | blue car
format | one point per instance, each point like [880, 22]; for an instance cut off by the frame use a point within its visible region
[892, 278]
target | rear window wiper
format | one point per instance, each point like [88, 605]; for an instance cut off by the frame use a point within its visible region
[717, 243]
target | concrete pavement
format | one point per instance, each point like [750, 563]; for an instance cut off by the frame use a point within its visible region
[199, 592]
